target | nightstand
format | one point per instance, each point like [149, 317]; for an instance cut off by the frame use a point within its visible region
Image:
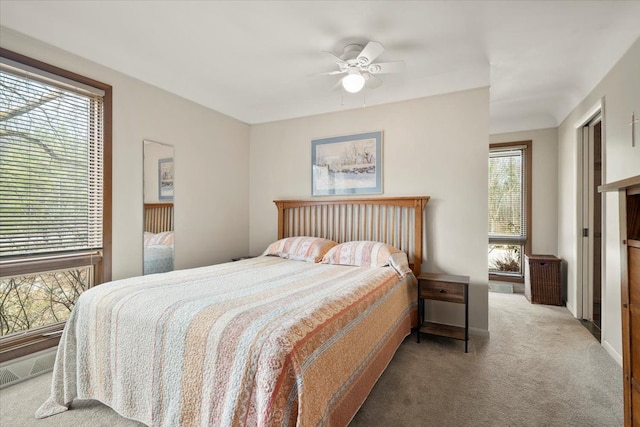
[448, 288]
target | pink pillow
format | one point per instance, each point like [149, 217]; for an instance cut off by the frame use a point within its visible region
[165, 238]
[300, 248]
[360, 253]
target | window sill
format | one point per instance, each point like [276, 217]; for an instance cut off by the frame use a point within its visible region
[21, 344]
[506, 278]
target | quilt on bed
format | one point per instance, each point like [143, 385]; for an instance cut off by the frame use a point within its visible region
[260, 342]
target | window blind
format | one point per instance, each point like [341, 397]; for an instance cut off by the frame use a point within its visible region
[507, 215]
[51, 165]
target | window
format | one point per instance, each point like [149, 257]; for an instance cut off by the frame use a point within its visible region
[55, 198]
[509, 209]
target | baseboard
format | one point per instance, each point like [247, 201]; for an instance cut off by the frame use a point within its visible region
[612, 352]
[571, 309]
[22, 368]
[479, 332]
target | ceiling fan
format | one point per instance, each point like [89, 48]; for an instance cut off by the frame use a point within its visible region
[357, 63]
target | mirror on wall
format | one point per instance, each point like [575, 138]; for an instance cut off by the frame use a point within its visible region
[158, 207]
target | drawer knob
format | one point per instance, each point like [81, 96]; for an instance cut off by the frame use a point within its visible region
[442, 291]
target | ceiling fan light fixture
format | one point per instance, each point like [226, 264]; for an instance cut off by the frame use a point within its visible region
[353, 82]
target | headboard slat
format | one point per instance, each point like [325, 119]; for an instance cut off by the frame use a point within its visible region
[158, 217]
[397, 221]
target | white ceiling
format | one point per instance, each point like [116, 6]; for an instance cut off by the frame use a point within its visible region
[255, 60]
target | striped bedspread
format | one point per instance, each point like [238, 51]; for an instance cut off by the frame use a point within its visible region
[259, 342]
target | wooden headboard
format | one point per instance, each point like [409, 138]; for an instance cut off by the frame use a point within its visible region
[397, 221]
[158, 217]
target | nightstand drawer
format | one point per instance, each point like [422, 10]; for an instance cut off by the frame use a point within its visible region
[442, 291]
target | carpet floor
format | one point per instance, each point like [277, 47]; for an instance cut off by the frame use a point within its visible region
[539, 368]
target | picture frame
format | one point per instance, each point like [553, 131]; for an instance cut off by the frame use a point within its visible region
[165, 179]
[350, 164]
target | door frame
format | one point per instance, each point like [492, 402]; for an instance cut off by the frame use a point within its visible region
[588, 215]
[585, 211]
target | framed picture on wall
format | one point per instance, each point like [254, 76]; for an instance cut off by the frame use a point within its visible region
[349, 164]
[165, 179]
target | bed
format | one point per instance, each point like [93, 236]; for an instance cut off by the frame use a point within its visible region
[280, 339]
[158, 238]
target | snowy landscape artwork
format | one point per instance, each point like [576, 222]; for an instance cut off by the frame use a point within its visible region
[165, 179]
[347, 164]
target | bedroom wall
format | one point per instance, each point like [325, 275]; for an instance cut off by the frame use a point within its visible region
[544, 186]
[435, 146]
[620, 91]
[211, 164]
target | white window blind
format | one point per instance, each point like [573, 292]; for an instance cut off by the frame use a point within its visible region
[51, 164]
[507, 213]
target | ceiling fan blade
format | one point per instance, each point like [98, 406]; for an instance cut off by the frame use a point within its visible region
[372, 82]
[370, 52]
[330, 73]
[336, 57]
[386, 67]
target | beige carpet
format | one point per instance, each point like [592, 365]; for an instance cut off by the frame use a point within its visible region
[539, 368]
